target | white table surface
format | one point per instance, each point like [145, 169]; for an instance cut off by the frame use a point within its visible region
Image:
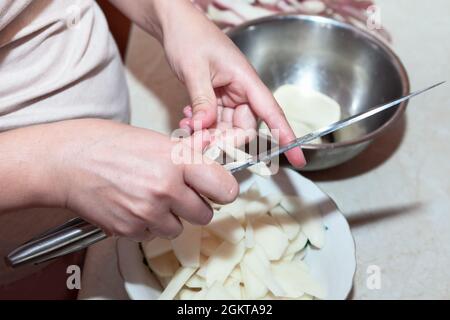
[396, 195]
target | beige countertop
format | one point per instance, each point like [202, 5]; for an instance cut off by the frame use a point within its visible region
[396, 195]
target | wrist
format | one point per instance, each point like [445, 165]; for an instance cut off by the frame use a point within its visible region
[165, 15]
[28, 177]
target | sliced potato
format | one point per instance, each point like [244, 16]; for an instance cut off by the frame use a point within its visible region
[261, 169]
[187, 294]
[196, 282]
[256, 262]
[177, 283]
[288, 257]
[165, 265]
[310, 107]
[297, 245]
[301, 254]
[236, 209]
[253, 193]
[296, 281]
[187, 246]
[209, 245]
[292, 204]
[271, 201]
[226, 227]
[221, 263]
[309, 217]
[236, 274]
[270, 237]
[249, 235]
[254, 288]
[156, 247]
[255, 209]
[314, 230]
[218, 292]
[233, 286]
[289, 225]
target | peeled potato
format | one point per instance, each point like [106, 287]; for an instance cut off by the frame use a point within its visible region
[296, 281]
[187, 246]
[236, 209]
[226, 227]
[196, 282]
[251, 250]
[219, 266]
[156, 247]
[298, 244]
[233, 286]
[177, 283]
[187, 294]
[218, 292]
[306, 110]
[289, 225]
[254, 288]
[209, 245]
[165, 265]
[270, 237]
[310, 107]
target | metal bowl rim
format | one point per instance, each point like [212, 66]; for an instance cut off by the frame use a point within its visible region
[371, 38]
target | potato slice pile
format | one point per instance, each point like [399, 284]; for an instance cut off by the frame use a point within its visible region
[306, 110]
[253, 249]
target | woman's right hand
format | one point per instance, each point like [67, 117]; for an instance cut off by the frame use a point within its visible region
[125, 179]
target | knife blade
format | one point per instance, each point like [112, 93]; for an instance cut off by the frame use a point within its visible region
[274, 152]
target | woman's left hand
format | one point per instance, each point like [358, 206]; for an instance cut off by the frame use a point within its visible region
[225, 91]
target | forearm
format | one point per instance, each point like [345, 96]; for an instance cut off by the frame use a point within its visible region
[27, 175]
[153, 15]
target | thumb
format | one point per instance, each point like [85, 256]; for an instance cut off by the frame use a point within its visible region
[199, 141]
[203, 100]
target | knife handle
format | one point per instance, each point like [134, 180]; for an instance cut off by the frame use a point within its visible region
[70, 237]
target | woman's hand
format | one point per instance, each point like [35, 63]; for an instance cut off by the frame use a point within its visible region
[130, 182]
[223, 87]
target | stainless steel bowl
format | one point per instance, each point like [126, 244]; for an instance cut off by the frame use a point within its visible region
[340, 60]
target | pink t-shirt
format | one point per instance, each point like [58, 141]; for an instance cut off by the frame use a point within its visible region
[58, 61]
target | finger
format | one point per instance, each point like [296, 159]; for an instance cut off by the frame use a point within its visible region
[185, 125]
[244, 118]
[166, 225]
[212, 181]
[203, 98]
[144, 235]
[265, 106]
[199, 141]
[187, 111]
[192, 207]
[227, 115]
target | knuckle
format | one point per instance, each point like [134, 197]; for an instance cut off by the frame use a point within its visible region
[161, 190]
[126, 230]
[167, 231]
[201, 100]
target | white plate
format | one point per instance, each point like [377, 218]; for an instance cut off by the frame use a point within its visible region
[334, 266]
